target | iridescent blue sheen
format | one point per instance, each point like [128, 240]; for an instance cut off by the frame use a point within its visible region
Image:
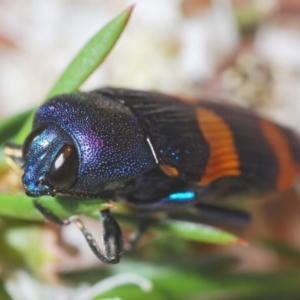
[183, 196]
[112, 147]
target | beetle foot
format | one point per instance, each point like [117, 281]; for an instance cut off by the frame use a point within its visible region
[136, 235]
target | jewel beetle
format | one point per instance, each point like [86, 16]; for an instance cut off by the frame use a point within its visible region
[155, 152]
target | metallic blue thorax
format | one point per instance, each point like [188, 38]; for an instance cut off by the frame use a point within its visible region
[111, 144]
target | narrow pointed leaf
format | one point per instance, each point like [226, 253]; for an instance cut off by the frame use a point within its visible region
[85, 62]
[21, 206]
[197, 232]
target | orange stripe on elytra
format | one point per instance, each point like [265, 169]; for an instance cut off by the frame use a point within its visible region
[223, 158]
[288, 168]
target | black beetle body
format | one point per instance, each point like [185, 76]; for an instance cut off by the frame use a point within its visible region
[154, 151]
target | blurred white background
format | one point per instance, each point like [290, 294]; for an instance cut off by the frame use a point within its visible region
[247, 50]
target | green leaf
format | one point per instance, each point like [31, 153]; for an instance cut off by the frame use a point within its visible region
[197, 232]
[9, 127]
[85, 62]
[91, 55]
[21, 206]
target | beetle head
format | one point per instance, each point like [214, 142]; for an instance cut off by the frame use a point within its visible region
[51, 161]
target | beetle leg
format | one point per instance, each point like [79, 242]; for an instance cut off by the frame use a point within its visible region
[112, 235]
[136, 235]
[223, 214]
[112, 238]
[49, 215]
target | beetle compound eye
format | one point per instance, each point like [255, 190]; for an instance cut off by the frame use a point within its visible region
[64, 169]
[34, 134]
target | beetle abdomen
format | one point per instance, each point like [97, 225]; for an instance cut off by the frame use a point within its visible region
[242, 144]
